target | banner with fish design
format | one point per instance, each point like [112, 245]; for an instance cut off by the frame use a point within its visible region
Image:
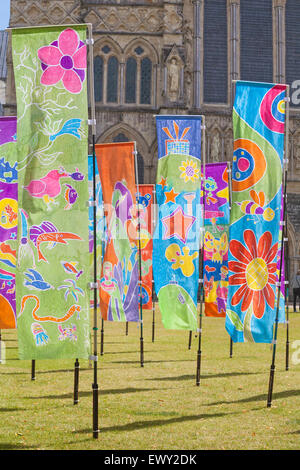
[177, 234]
[53, 269]
[8, 221]
[259, 131]
[145, 201]
[119, 299]
[216, 222]
[99, 222]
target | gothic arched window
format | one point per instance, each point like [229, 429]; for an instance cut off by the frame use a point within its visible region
[130, 80]
[98, 78]
[146, 80]
[112, 80]
[256, 54]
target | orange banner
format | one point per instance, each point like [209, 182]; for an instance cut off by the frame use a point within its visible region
[145, 201]
[120, 267]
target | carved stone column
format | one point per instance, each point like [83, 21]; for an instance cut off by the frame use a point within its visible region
[197, 52]
[279, 35]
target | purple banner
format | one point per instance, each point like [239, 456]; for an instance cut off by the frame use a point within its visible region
[8, 221]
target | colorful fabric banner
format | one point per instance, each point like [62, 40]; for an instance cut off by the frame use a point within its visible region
[119, 299]
[8, 221]
[145, 201]
[177, 234]
[99, 222]
[216, 222]
[259, 126]
[53, 269]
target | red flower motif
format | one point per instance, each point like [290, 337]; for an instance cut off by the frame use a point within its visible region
[254, 272]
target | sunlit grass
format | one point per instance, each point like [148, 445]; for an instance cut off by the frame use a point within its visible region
[157, 406]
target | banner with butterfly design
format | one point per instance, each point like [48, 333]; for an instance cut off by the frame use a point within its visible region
[259, 131]
[216, 225]
[177, 234]
[53, 272]
[145, 201]
[8, 221]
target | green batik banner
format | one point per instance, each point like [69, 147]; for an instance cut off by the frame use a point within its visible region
[53, 239]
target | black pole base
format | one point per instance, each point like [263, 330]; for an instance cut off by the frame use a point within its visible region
[198, 368]
[231, 348]
[271, 382]
[102, 343]
[33, 369]
[126, 332]
[153, 331]
[76, 382]
[142, 351]
[95, 411]
[287, 356]
[190, 339]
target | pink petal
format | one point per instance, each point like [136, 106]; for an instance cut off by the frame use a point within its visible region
[68, 41]
[72, 81]
[79, 58]
[52, 75]
[49, 55]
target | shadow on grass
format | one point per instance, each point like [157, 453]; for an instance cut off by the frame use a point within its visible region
[101, 392]
[40, 372]
[163, 361]
[8, 446]
[192, 376]
[8, 410]
[137, 425]
[262, 397]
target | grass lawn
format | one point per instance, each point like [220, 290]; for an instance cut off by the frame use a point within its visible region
[158, 406]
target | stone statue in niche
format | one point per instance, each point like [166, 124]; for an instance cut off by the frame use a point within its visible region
[173, 79]
[215, 148]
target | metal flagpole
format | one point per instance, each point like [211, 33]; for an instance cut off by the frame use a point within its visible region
[230, 202]
[285, 166]
[201, 280]
[140, 261]
[94, 285]
[286, 296]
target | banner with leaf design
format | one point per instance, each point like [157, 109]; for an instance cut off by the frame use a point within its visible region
[259, 129]
[177, 235]
[216, 225]
[8, 221]
[119, 292]
[53, 269]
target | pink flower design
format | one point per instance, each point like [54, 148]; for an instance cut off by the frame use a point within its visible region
[65, 60]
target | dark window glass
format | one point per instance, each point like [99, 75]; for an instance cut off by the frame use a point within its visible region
[292, 35]
[130, 81]
[98, 78]
[146, 78]
[106, 49]
[140, 163]
[112, 80]
[215, 51]
[256, 40]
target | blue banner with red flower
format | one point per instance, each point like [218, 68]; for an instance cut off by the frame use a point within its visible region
[177, 234]
[259, 129]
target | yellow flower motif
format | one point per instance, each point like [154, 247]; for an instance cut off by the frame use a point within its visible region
[189, 171]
